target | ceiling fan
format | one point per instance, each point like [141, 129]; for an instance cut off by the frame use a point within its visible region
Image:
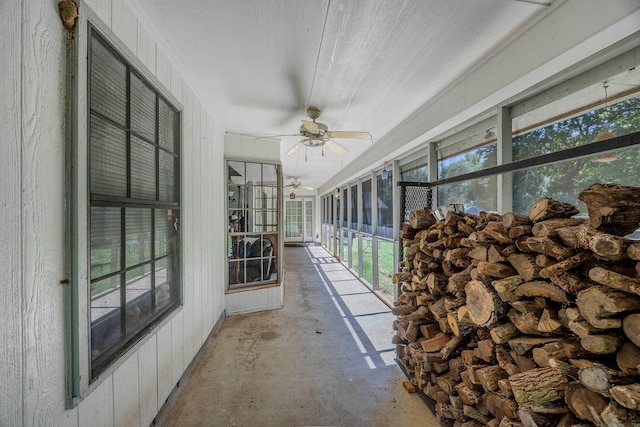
[317, 134]
[295, 184]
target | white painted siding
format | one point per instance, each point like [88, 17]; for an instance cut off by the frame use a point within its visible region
[11, 226]
[33, 48]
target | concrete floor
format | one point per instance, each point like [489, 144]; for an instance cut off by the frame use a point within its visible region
[325, 359]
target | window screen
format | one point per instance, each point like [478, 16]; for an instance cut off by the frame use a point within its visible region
[134, 205]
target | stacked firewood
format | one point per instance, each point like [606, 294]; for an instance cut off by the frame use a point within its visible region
[525, 320]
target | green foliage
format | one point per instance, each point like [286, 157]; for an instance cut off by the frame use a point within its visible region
[564, 181]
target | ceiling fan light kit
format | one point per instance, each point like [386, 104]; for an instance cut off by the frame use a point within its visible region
[318, 135]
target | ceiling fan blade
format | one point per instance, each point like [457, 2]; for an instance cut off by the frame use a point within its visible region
[350, 134]
[277, 136]
[295, 148]
[306, 187]
[310, 126]
[336, 147]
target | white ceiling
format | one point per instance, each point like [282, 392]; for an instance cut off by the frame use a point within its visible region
[368, 65]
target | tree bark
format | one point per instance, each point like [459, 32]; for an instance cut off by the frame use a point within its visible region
[613, 208]
[547, 208]
[598, 304]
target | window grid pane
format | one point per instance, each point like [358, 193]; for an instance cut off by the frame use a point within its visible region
[134, 237]
[252, 207]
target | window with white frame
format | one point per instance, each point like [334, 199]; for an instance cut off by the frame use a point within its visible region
[134, 204]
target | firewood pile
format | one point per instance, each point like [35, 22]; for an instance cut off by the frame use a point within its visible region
[525, 320]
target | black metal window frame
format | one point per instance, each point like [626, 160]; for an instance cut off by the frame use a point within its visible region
[111, 339]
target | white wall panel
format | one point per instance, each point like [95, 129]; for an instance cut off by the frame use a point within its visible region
[163, 68]
[11, 226]
[207, 211]
[125, 24]
[42, 206]
[126, 396]
[176, 83]
[188, 224]
[199, 216]
[177, 347]
[165, 364]
[96, 409]
[102, 8]
[146, 48]
[148, 380]
[253, 300]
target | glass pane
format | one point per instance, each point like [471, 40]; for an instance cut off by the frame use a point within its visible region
[366, 206]
[108, 148]
[355, 250]
[143, 109]
[143, 169]
[474, 160]
[386, 270]
[367, 259]
[166, 284]
[165, 235]
[418, 174]
[106, 326]
[354, 207]
[236, 272]
[168, 127]
[269, 174]
[476, 195]
[105, 241]
[236, 172]
[108, 84]
[385, 206]
[138, 232]
[343, 217]
[564, 181]
[308, 220]
[293, 222]
[138, 298]
[167, 177]
[618, 119]
[253, 173]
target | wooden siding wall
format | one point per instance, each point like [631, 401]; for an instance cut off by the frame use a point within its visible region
[32, 196]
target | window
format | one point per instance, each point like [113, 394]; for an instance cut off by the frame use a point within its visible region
[366, 206]
[478, 194]
[385, 206]
[252, 241]
[354, 207]
[344, 217]
[134, 205]
[564, 181]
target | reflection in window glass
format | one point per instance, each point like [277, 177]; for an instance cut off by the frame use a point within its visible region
[478, 194]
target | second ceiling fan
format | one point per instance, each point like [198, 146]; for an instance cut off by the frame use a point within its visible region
[317, 134]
